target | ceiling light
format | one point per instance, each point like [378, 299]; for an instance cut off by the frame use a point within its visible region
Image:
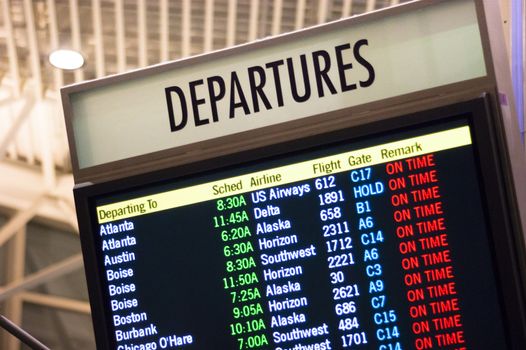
[66, 59]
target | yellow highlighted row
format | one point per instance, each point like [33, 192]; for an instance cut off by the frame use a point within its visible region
[305, 170]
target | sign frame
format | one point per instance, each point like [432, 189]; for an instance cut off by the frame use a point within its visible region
[509, 264]
[260, 136]
[507, 165]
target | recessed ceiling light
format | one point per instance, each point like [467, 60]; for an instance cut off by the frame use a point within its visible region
[66, 59]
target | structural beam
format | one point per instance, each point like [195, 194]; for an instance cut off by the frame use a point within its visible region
[276, 17]
[142, 34]
[253, 22]
[18, 121]
[300, 14]
[58, 77]
[75, 35]
[14, 70]
[322, 11]
[163, 30]
[231, 23]
[100, 68]
[346, 8]
[119, 33]
[185, 28]
[18, 221]
[34, 54]
[370, 5]
[14, 273]
[47, 274]
[44, 138]
[19, 186]
[208, 32]
[70, 213]
[62, 303]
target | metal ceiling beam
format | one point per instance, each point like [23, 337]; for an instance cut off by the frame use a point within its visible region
[323, 5]
[70, 213]
[25, 139]
[58, 77]
[19, 119]
[346, 8]
[185, 28]
[253, 22]
[7, 101]
[62, 303]
[45, 136]
[163, 29]
[119, 33]
[142, 34]
[19, 186]
[277, 12]
[34, 53]
[370, 5]
[100, 67]
[47, 274]
[208, 32]
[14, 273]
[14, 70]
[18, 221]
[300, 14]
[75, 35]
[231, 23]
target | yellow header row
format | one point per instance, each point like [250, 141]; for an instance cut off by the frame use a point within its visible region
[346, 161]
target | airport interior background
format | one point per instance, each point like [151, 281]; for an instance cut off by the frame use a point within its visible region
[42, 283]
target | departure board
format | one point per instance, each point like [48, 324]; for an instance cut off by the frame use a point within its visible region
[378, 242]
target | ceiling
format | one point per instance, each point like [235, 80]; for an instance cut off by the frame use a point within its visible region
[114, 36]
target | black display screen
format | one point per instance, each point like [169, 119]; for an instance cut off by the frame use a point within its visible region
[379, 242]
